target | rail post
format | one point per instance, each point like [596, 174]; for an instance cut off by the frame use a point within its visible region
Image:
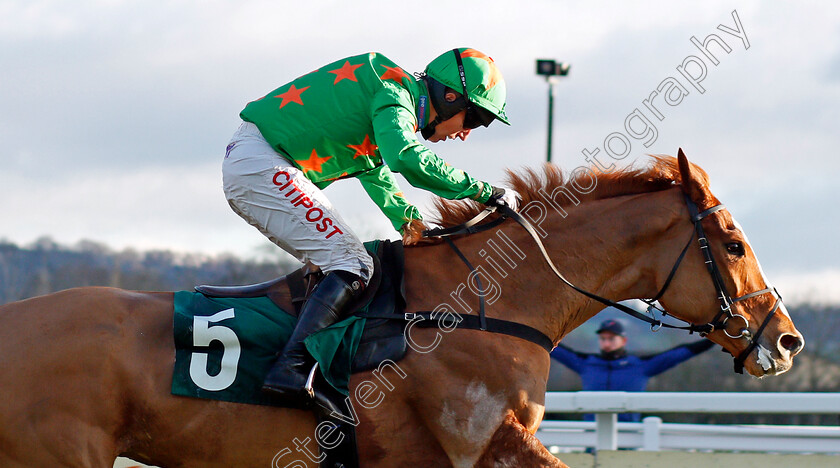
[651, 430]
[606, 425]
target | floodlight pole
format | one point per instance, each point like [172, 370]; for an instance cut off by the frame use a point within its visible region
[551, 82]
[551, 70]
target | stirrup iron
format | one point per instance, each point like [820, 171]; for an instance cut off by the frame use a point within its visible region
[309, 386]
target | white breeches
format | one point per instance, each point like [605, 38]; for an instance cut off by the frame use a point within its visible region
[274, 196]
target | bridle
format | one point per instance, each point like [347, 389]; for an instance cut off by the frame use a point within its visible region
[719, 322]
[726, 301]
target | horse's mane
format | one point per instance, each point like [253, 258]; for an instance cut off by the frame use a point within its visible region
[663, 172]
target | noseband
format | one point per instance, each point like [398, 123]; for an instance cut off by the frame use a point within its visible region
[719, 322]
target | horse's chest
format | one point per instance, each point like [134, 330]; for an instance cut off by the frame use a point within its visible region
[471, 417]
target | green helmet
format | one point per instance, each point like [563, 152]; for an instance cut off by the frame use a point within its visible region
[482, 82]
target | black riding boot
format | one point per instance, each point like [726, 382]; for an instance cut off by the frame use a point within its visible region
[287, 377]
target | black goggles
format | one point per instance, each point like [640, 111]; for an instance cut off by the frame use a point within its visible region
[476, 116]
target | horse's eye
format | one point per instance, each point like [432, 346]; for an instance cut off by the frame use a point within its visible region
[735, 248]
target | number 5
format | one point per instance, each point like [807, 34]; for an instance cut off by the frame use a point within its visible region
[203, 335]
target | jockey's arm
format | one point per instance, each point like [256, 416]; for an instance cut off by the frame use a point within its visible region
[382, 188]
[394, 125]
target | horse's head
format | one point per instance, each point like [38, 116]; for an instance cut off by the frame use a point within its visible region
[723, 285]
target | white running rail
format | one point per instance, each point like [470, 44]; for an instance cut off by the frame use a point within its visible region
[607, 434]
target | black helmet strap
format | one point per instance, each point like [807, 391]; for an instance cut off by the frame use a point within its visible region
[429, 129]
[462, 74]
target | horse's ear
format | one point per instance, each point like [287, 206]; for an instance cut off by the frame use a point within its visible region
[692, 179]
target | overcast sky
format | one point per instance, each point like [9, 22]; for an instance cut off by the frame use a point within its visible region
[115, 114]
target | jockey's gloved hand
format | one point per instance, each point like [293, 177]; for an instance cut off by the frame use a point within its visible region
[501, 196]
[412, 233]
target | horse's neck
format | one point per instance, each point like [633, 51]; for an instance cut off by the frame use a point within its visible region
[614, 247]
[617, 248]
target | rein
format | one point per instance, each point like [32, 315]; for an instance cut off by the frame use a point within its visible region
[726, 301]
[480, 322]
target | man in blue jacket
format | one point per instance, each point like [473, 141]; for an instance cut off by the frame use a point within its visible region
[615, 370]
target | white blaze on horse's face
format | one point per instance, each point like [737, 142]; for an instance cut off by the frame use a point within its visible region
[782, 307]
[764, 356]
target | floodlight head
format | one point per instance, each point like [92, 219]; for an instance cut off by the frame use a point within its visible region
[552, 68]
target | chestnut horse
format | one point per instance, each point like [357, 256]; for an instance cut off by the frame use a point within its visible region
[85, 373]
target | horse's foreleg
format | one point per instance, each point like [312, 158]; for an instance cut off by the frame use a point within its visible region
[82, 447]
[513, 445]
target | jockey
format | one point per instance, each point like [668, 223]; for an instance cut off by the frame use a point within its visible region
[356, 117]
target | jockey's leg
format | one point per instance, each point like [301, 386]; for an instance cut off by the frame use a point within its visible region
[277, 198]
[324, 307]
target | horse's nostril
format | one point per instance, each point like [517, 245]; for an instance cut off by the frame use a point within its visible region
[791, 343]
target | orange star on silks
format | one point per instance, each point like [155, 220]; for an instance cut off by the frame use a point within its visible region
[314, 162]
[346, 71]
[495, 74]
[393, 73]
[365, 149]
[292, 95]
